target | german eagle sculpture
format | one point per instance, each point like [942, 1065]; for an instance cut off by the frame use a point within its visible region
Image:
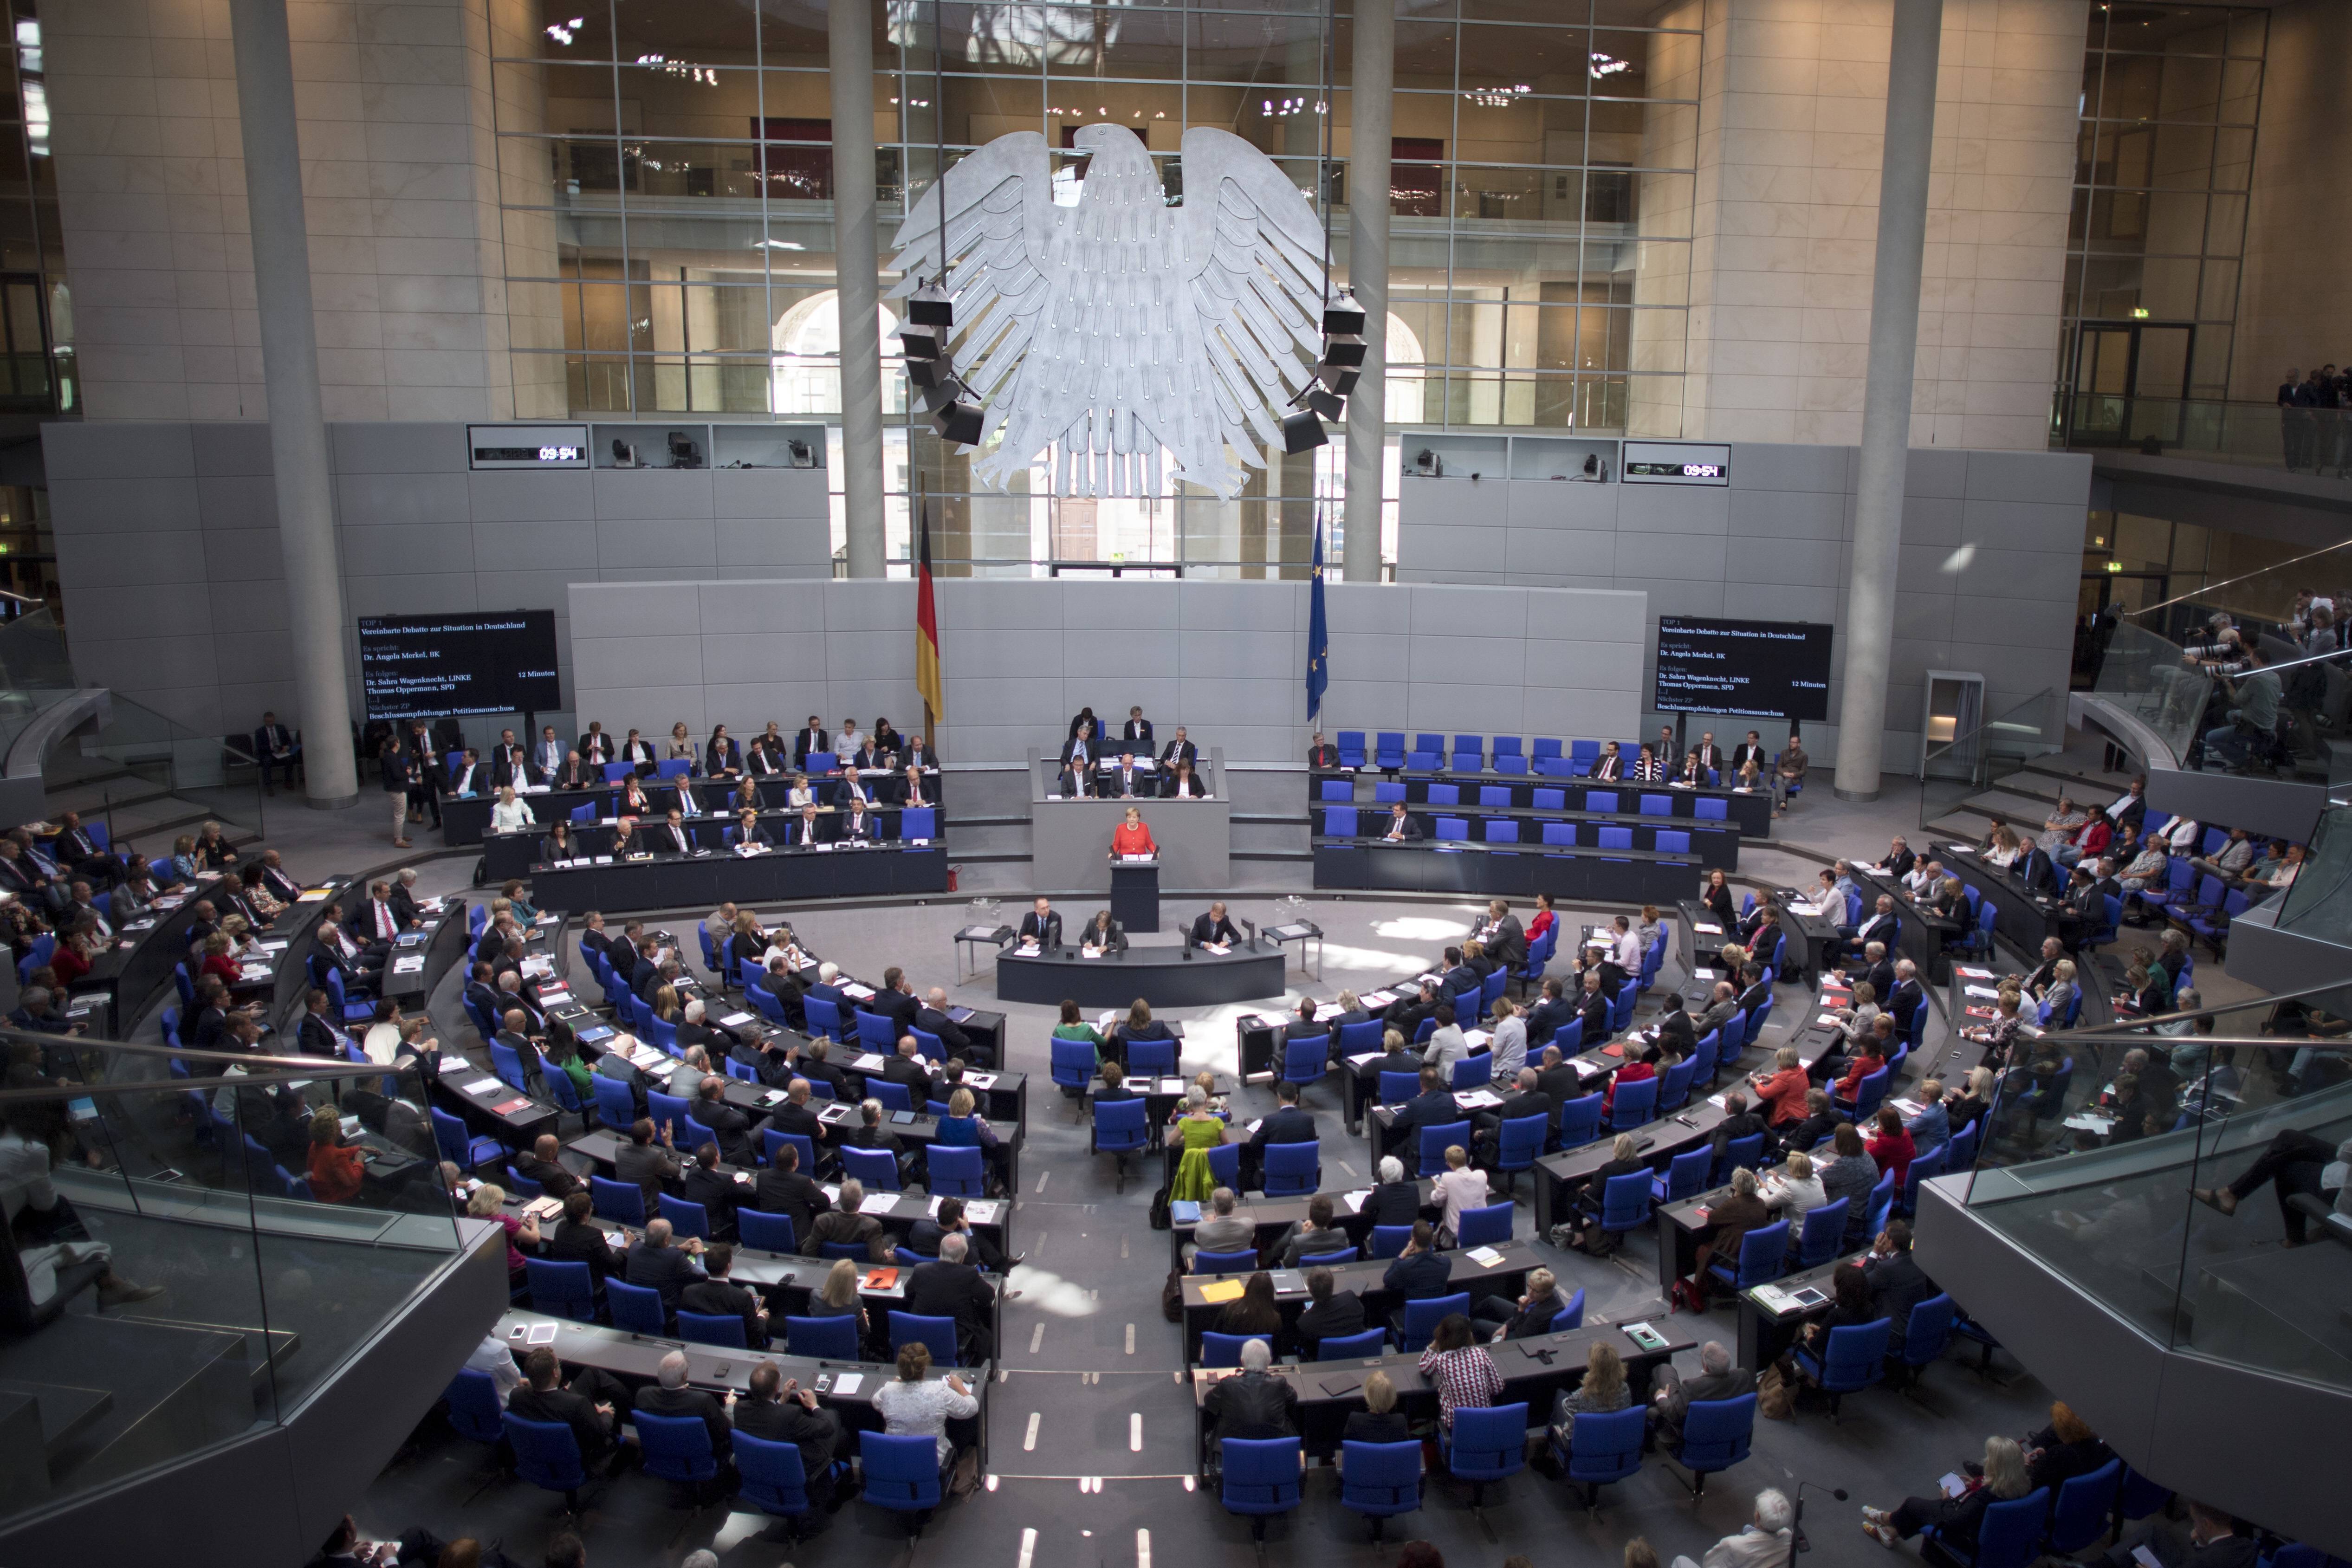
[1099, 335]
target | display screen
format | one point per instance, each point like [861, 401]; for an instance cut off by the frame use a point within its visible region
[429, 666]
[1763, 670]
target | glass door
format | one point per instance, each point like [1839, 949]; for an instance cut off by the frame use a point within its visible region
[2130, 381]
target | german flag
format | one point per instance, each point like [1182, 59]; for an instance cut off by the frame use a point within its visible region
[926, 627]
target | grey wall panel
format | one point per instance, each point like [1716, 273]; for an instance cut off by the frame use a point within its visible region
[233, 448]
[398, 497]
[124, 451]
[398, 448]
[499, 496]
[1790, 467]
[120, 503]
[1022, 656]
[651, 493]
[238, 500]
[401, 548]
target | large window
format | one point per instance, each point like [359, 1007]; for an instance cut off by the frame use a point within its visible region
[668, 176]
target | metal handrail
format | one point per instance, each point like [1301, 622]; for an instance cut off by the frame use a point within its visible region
[2137, 1024]
[2208, 588]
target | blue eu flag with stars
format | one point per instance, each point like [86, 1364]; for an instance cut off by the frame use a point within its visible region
[1318, 635]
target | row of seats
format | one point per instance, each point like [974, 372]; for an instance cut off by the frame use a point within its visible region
[1469, 754]
[1347, 822]
[1606, 802]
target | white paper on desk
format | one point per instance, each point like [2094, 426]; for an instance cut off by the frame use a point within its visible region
[1484, 1257]
[735, 1020]
[279, 946]
[1827, 1021]
[1966, 973]
[483, 1086]
[1717, 1099]
[1221, 949]
[1358, 1061]
[1706, 928]
[407, 966]
[981, 1080]
[1796, 908]
[1171, 1086]
[1987, 992]
[1377, 998]
[1253, 1127]
[1090, 952]
[931, 1209]
[981, 1211]
[878, 1202]
[832, 1192]
[1476, 1037]
[847, 1383]
[862, 993]
[869, 1062]
[599, 860]
[541, 1334]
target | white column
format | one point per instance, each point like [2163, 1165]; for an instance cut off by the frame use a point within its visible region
[849, 40]
[297, 424]
[1369, 124]
[1887, 399]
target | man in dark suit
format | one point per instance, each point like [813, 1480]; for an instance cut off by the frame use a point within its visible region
[594, 746]
[806, 829]
[590, 1407]
[1506, 939]
[670, 1396]
[1041, 926]
[1331, 1314]
[784, 1188]
[1897, 1281]
[1899, 858]
[1103, 933]
[315, 1036]
[858, 826]
[779, 1410]
[1610, 765]
[1546, 1017]
[649, 1162]
[377, 919]
[1322, 754]
[812, 739]
[1213, 927]
[280, 885]
[1433, 1107]
[904, 1067]
[896, 1001]
[1419, 1271]
[1592, 1007]
[1179, 749]
[705, 1184]
[1881, 924]
[1137, 732]
[277, 749]
[1907, 996]
[1125, 782]
[1288, 1124]
[933, 1019]
[577, 1238]
[952, 1287]
[1460, 980]
[732, 1126]
[542, 1164]
[1557, 1081]
[1750, 750]
[2036, 869]
[716, 1296]
[512, 1025]
[1076, 782]
[1399, 827]
[1523, 1098]
[671, 837]
[657, 1264]
[646, 972]
[510, 761]
[1710, 756]
[929, 1236]
[1669, 1407]
[1407, 1013]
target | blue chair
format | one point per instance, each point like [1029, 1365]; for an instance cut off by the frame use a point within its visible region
[674, 1108]
[1518, 1144]
[1685, 1176]
[902, 1474]
[1072, 1065]
[449, 1137]
[1738, 1153]
[1671, 841]
[1387, 1240]
[1342, 790]
[636, 1308]
[1562, 834]
[824, 1019]
[2007, 1536]
[1340, 822]
[954, 1172]
[938, 1333]
[1387, 750]
[907, 1257]
[1602, 1450]
[1867, 1094]
[473, 1402]
[1616, 838]
[1293, 1168]
[1488, 1443]
[771, 1141]
[1570, 1316]
[1306, 1061]
[1226, 1165]
[1261, 1478]
[1855, 1360]
[686, 1219]
[893, 1096]
[1545, 759]
[1351, 1347]
[1580, 1119]
[1603, 801]
[662, 1035]
[1452, 830]
[877, 1033]
[828, 1339]
[877, 1169]
[1379, 1480]
[1119, 1131]
[1388, 792]
[1490, 1226]
[1468, 754]
[1763, 1256]
[548, 1456]
[1150, 1058]
[1925, 1335]
[2138, 1497]
[1428, 754]
[1396, 1087]
[1633, 1104]
[1474, 1072]
[773, 1481]
[1225, 1350]
[712, 1329]
[1716, 1435]
[621, 1203]
[1351, 748]
[1673, 1085]
[1925, 1168]
[1625, 1203]
[1823, 1236]
[1420, 1319]
[1435, 1141]
[766, 1232]
[561, 1290]
[1206, 1262]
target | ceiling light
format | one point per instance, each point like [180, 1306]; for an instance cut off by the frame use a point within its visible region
[776, 245]
[1609, 65]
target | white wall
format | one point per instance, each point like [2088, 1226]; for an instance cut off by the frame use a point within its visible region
[1226, 660]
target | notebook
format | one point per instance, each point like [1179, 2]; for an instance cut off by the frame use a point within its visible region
[1227, 1290]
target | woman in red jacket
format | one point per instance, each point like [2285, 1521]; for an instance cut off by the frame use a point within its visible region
[1781, 1094]
[1543, 919]
[1636, 1070]
[1890, 1146]
[1132, 836]
[336, 1170]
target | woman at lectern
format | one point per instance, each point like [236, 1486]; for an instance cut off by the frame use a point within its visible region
[1132, 836]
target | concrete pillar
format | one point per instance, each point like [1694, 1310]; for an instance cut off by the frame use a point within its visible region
[297, 423]
[849, 41]
[1372, 83]
[1887, 399]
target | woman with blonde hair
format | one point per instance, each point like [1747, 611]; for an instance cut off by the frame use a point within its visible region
[913, 1405]
[1957, 1520]
[837, 1297]
[1603, 1391]
[1198, 1131]
[1378, 1421]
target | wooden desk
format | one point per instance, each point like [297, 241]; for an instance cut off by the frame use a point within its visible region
[1765, 1334]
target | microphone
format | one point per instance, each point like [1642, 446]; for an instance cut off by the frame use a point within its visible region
[1797, 1540]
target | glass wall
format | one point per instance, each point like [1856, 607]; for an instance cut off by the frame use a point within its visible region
[2170, 97]
[668, 176]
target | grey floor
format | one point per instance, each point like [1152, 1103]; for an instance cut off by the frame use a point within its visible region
[1088, 1354]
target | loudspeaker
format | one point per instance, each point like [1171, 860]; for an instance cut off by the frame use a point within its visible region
[958, 422]
[1344, 348]
[930, 306]
[1302, 432]
[1342, 315]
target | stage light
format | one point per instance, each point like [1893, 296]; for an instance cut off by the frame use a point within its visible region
[1302, 432]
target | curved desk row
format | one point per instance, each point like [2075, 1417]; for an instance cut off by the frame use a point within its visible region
[704, 881]
[1750, 809]
[1164, 975]
[506, 855]
[465, 819]
[1582, 876]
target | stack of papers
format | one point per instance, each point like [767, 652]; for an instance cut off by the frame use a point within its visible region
[1356, 1199]
[983, 1211]
[1484, 1257]
[878, 1202]
[846, 1383]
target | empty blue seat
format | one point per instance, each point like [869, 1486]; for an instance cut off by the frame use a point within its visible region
[830, 1339]
[1716, 1435]
[1262, 1478]
[636, 1308]
[1225, 1350]
[1602, 1450]
[1453, 829]
[1657, 806]
[1340, 822]
[547, 1455]
[1445, 795]
[901, 1473]
[1351, 748]
[1502, 830]
[1616, 838]
[1562, 832]
[938, 1333]
[1421, 1319]
[1379, 1480]
[1293, 1168]
[1673, 841]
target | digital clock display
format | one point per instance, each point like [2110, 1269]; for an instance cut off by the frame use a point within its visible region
[1675, 463]
[1678, 470]
[527, 446]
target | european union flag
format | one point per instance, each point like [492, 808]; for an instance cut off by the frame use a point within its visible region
[1318, 635]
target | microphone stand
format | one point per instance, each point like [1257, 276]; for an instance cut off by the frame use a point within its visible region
[1797, 1541]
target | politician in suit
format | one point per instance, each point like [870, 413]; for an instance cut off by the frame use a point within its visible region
[1322, 754]
[1400, 828]
[807, 830]
[1103, 933]
[277, 749]
[952, 1287]
[1041, 925]
[812, 739]
[1126, 782]
[1610, 765]
[1213, 927]
[1179, 749]
[1136, 733]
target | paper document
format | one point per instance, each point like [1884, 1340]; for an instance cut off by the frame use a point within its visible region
[1484, 1257]
[483, 1086]
[847, 1383]
[1356, 1199]
[878, 1202]
[1226, 1290]
[1706, 928]
[407, 966]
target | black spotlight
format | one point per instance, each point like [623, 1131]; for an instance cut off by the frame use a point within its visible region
[1302, 432]
[1324, 405]
[930, 373]
[930, 306]
[1338, 380]
[1341, 318]
[958, 422]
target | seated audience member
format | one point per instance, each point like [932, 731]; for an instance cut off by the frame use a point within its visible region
[1957, 1519]
[1331, 1314]
[912, 1405]
[2295, 1163]
[1670, 1404]
[1764, 1542]
[1251, 1403]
